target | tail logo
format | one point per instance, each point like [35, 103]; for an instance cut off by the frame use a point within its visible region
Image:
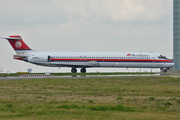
[18, 44]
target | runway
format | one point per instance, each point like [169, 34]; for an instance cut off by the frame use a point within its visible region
[74, 77]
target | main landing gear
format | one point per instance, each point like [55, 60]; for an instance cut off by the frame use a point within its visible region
[83, 70]
[74, 70]
[164, 70]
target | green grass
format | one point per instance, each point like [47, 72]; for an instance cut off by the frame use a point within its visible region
[3, 75]
[152, 98]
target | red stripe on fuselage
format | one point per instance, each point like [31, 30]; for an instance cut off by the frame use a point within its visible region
[113, 60]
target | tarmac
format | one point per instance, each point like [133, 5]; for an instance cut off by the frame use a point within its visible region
[84, 76]
[169, 73]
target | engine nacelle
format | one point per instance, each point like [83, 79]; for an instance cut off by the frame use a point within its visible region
[35, 59]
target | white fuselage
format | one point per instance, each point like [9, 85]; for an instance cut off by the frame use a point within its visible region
[100, 59]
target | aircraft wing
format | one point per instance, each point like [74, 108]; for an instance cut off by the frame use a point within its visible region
[71, 64]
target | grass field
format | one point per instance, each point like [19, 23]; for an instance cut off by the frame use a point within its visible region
[126, 98]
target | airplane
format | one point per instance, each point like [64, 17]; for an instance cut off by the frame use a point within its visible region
[85, 60]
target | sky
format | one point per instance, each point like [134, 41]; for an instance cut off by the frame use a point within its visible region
[85, 25]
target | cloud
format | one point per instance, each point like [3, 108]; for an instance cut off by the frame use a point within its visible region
[40, 2]
[116, 10]
[128, 10]
[20, 14]
[15, 14]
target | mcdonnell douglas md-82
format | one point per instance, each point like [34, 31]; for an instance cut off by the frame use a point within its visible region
[85, 60]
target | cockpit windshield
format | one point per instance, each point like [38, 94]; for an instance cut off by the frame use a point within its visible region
[163, 57]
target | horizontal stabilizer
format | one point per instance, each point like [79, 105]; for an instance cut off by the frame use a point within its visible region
[10, 38]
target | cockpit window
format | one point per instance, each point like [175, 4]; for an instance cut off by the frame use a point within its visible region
[162, 57]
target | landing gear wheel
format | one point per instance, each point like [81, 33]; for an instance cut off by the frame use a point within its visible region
[83, 70]
[74, 70]
[165, 70]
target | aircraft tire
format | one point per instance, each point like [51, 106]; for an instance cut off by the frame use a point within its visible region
[74, 70]
[83, 70]
[165, 70]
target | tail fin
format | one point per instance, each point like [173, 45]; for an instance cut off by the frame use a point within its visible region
[18, 44]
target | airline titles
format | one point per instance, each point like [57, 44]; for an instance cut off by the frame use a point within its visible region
[137, 55]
